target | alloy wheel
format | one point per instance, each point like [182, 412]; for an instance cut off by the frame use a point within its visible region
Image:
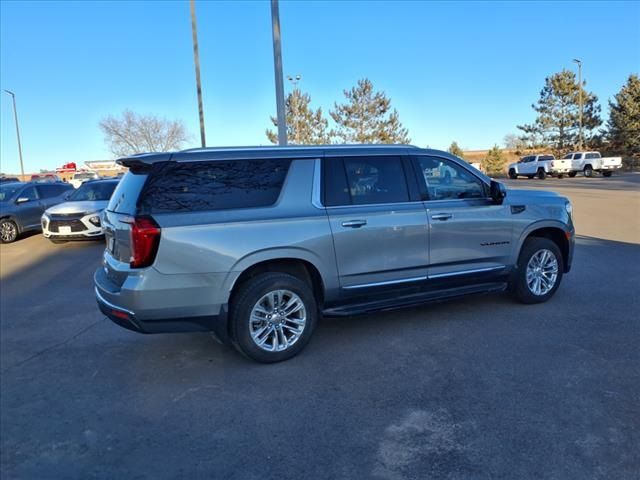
[277, 320]
[8, 232]
[542, 272]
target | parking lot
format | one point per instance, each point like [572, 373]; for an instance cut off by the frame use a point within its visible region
[476, 388]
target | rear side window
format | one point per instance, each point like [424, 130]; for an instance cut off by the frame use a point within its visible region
[372, 180]
[217, 185]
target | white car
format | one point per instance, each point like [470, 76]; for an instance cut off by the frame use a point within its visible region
[589, 162]
[80, 177]
[79, 217]
[539, 166]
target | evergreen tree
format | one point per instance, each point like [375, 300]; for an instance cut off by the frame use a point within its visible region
[367, 117]
[624, 118]
[494, 162]
[305, 126]
[454, 149]
[558, 109]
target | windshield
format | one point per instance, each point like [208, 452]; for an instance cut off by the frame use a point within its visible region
[7, 191]
[93, 192]
[82, 176]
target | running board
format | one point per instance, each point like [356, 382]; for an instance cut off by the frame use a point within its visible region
[413, 299]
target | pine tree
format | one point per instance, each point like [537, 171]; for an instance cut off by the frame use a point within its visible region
[454, 149]
[367, 117]
[494, 162]
[557, 123]
[624, 118]
[305, 126]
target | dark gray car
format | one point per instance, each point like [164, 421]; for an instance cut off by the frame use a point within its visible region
[23, 203]
[256, 244]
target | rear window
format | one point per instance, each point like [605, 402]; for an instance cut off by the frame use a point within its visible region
[592, 155]
[217, 185]
[125, 196]
[543, 158]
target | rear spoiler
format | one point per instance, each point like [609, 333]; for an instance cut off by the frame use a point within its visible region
[143, 162]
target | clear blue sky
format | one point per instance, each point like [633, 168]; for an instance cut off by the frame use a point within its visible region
[465, 71]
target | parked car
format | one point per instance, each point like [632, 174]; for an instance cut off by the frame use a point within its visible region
[45, 178]
[256, 243]
[539, 166]
[9, 179]
[79, 217]
[589, 162]
[80, 177]
[22, 205]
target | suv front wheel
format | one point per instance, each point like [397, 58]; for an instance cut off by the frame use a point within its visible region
[273, 317]
[539, 271]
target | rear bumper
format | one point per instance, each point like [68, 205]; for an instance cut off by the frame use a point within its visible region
[121, 306]
[610, 167]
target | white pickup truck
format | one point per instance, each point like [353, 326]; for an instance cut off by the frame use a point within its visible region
[589, 162]
[539, 166]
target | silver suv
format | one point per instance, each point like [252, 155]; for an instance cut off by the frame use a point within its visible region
[255, 244]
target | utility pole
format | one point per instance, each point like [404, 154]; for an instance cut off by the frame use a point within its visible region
[296, 128]
[15, 116]
[277, 67]
[579, 62]
[196, 60]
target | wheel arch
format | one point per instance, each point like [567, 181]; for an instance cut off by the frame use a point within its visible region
[14, 220]
[553, 231]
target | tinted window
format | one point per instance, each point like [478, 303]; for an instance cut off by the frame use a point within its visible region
[543, 158]
[49, 191]
[336, 191]
[446, 180]
[568, 156]
[125, 196]
[94, 192]
[577, 156]
[218, 185]
[29, 192]
[376, 180]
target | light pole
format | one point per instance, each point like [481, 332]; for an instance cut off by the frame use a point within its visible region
[294, 108]
[579, 62]
[196, 60]
[15, 115]
[277, 67]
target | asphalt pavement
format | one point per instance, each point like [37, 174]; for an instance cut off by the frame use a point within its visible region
[476, 388]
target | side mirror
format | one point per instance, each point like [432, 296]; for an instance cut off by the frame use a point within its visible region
[498, 192]
[22, 200]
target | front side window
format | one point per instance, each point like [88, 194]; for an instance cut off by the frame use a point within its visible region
[215, 185]
[372, 180]
[8, 191]
[29, 193]
[446, 180]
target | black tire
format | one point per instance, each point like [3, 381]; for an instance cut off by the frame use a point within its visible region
[519, 285]
[588, 171]
[8, 231]
[512, 174]
[572, 174]
[57, 242]
[249, 294]
[541, 174]
[607, 173]
[560, 175]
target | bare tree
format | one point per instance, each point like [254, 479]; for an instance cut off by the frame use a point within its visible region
[132, 133]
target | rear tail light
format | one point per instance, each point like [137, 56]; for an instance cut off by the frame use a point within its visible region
[145, 237]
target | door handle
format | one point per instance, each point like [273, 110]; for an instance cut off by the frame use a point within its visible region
[442, 216]
[354, 223]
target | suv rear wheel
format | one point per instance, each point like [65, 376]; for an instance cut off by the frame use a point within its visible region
[539, 271]
[273, 317]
